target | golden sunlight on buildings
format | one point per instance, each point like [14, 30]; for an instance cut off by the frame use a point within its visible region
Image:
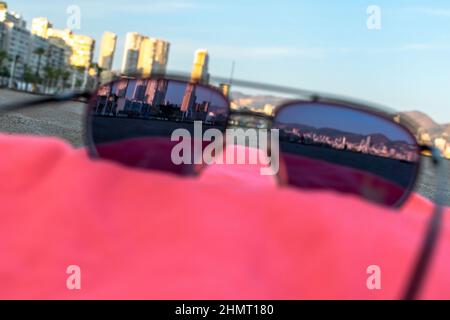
[82, 47]
[40, 27]
[425, 138]
[234, 105]
[82, 50]
[268, 109]
[447, 152]
[144, 55]
[200, 72]
[443, 145]
[107, 50]
[152, 57]
[244, 102]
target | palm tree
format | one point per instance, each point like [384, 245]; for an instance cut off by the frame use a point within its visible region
[65, 76]
[49, 73]
[39, 52]
[3, 56]
[98, 72]
[97, 68]
[28, 76]
[3, 70]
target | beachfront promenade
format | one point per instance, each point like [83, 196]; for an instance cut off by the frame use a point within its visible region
[61, 120]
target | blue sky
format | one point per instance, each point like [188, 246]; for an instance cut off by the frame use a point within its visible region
[321, 45]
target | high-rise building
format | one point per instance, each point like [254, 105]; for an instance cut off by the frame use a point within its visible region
[3, 36]
[107, 50]
[131, 52]
[57, 56]
[67, 50]
[188, 99]
[15, 40]
[38, 60]
[82, 51]
[200, 68]
[81, 47]
[156, 92]
[63, 34]
[160, 56]
[40, 27]
[145, 60]
[51, 55]
[11, 17]
[144, 55]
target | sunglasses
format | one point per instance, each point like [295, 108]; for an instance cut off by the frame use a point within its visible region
[324, 142]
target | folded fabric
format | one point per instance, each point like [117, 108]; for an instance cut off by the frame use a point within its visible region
[229, 233]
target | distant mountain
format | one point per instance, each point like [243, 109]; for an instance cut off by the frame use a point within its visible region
[377, 139]
[426, 123]
[422, 120]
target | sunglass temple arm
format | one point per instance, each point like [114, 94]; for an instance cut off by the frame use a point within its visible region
[433, 229]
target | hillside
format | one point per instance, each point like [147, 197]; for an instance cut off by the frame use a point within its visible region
[427, 123]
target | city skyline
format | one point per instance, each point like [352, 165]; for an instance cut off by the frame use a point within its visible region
[148, 98]
[349, 141]
[312, 45]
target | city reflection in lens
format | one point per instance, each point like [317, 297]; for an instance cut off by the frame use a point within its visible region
[132, 120]
[347, 150]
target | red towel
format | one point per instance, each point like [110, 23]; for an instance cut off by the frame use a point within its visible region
[228, 234]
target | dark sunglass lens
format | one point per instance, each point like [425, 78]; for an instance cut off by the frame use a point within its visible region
[133, 122]
[346, 150]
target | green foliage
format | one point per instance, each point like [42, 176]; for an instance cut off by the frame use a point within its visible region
[30, 77]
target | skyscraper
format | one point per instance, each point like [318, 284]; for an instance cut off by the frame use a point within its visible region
[200, 68]
[81, 47]
[160, 56]
[156, 92]
[11, 17]
[188, 100]
[82, 50]
[131, 52]
[107, 50]
[15, 40]
[144, 55]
